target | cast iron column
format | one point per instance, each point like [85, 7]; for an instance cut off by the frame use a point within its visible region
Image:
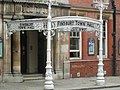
[101, 5]
[48, 76]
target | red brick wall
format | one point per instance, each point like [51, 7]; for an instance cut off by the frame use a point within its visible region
[117, 34]
[117, 3]
[118, 67]
[85, 68]
[89, 68]
[110, 40]
[89, 3]
[81, 2]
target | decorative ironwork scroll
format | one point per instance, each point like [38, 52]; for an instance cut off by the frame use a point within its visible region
[65, 23]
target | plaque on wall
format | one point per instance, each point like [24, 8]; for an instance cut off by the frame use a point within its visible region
[91, 46]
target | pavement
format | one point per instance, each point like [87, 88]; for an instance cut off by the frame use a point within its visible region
[88, 83]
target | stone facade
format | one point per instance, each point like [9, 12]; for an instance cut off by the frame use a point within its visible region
[10, 63]
[63, 66]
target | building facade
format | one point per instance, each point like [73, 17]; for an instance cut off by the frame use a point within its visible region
[85, 62]
[24, 52]
[74, 54]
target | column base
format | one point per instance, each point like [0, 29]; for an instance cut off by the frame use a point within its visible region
[49, 87]
[100, 82]
[58, 75]
[66, 69]
[12, 78]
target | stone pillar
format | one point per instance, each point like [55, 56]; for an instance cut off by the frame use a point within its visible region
[61, 54]
[7, 54]
[16, 58]
[64, 60]
[16, 53]
[9, 76]
[58, 71]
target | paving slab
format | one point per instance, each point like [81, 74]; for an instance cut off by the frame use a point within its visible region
[87, 83]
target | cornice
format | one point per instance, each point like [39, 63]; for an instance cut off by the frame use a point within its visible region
[92, 9]
[39, 3]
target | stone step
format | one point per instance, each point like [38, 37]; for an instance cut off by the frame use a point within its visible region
[29, 77]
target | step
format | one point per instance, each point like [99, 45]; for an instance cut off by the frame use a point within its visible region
[33, 77]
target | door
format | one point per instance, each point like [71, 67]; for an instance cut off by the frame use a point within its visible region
[33, 52]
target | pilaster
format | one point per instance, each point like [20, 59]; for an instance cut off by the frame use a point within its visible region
[11, 70]
[61, 56]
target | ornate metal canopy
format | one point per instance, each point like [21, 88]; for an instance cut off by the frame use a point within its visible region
[65, 23]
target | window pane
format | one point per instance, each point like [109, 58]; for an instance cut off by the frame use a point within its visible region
[77, 33]
[74, 44]
[103, 46]
[70, 33]
[74, 54]
[74, 34]
[104, 29]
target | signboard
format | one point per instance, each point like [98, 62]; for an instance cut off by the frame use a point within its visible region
[29, 1]
[19, 25]
[91, 46]
[75, 23]
[65, 23]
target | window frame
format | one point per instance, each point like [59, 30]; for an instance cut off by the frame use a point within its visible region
[80, 46]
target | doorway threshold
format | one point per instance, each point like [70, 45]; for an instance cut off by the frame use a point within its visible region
[29, 77]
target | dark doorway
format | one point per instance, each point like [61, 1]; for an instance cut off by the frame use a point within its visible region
[23, 39]
[42, 50]
[28, 52]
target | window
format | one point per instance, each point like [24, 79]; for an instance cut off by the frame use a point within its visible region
[104, 40]
[75, 47]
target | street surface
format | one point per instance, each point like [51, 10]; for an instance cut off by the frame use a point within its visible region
[88, 83]
[114, 88]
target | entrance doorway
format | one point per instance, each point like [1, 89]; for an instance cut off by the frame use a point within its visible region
[33, 52]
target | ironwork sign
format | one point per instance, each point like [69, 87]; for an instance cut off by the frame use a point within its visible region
[57, 23]
[75, 23]
[35, 24]
[30, 1]
[65, 23]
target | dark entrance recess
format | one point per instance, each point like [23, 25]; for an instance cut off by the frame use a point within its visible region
[42, 50]
[42, 47]
[12, 53]
[23, 39]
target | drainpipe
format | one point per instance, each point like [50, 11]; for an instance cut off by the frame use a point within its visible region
[114, 37]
